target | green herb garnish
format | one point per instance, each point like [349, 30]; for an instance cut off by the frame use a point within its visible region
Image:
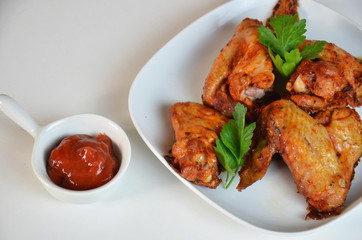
[289, 34]
[234, 142]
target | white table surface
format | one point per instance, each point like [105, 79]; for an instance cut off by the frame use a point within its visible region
[59, 58]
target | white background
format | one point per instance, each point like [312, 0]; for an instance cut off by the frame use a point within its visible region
[59, 58]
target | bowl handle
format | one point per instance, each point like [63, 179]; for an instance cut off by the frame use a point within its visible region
[13, 110]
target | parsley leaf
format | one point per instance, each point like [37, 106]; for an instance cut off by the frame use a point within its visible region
[311, 51]
[234, 142]
[289, 34]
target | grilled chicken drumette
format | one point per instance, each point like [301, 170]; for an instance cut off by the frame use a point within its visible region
[241, 73]
[196, 129]
[331, 81]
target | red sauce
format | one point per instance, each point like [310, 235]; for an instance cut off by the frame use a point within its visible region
[81, 162]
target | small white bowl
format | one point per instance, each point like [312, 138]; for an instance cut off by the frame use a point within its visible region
[47, 137]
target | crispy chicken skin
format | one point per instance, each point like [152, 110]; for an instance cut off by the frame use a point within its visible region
[241, 73]
[333, 80]
[253, 74]
[196, 129]
[320, 157]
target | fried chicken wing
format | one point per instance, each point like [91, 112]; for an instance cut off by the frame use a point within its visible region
[320, 157]
[196, 129]
[241, 73]
[333, 80]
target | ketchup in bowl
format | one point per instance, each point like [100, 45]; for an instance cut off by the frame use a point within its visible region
[82, 162]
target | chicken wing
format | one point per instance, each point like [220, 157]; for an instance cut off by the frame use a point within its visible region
[196, 129]
[333, 80]
[320, 157]
[241, 73]
[283, 7]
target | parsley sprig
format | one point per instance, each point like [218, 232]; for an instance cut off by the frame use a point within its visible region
[234, 142]
[289, 34]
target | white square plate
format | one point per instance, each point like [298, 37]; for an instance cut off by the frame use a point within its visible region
[177, 74]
